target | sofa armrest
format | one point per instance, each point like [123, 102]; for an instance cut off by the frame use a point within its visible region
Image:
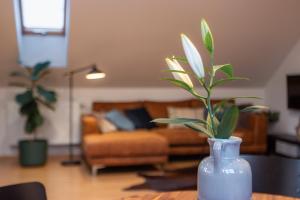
[259, 126]
[89, 125]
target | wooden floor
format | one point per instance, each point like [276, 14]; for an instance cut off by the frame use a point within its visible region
[74, 183]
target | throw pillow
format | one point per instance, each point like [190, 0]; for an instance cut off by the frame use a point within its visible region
[104, 125]
[140, 118]
[175, 112]
[120, 120]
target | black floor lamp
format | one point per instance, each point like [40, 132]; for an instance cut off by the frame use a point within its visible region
[93, 73]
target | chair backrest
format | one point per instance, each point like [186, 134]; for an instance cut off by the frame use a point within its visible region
[23, 191]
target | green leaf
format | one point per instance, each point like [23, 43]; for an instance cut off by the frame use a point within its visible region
[227, 69]
[177, 120]
[177, 71]
[181, 59]
[207, 37]
[33, 122]
[38, 68]
[48, 95]
[199, 128]
[209, 124]
[19, 74]
[225, 80]
[24, 98]
[228, 122]
[48, 105]
[29, 108]
[43, 74]
[179, 83]
[18, 84]
[220, 105]
[254, 108]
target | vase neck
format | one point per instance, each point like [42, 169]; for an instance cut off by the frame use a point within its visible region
[229, 148]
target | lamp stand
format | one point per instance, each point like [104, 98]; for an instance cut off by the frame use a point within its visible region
[71, 161]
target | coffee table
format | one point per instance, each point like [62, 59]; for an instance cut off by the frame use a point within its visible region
[192, 195]
[271, 175]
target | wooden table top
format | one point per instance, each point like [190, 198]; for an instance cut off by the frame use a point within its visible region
[192, 195]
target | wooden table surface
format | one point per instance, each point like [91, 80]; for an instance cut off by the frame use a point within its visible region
[192, 195]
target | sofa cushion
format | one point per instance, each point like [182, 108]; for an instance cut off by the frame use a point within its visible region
[104, 125]
[181, 136]
[119, 120]
[140, 118]
[137, 143]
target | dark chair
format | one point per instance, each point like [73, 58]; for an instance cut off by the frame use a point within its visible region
[275, 175]
[23, 191]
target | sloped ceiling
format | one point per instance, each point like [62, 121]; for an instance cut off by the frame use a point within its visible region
[129, 39]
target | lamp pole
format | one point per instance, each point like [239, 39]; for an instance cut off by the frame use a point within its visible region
[70, 74]
[71, 160]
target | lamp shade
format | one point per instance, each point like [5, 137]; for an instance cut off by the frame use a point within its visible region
[95, 74]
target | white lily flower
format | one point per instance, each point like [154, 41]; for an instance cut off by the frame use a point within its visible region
[174, 65]
[193, 56]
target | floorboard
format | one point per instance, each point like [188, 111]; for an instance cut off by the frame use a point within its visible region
[74, 183]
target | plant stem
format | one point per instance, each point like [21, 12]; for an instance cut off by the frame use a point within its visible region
[209, 105]
[210, 112]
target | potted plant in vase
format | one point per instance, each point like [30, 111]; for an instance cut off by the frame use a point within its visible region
[33, 152]
[222, 175]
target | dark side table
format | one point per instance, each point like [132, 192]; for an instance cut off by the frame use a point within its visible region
[287, 139]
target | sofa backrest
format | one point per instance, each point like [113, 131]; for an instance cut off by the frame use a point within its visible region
[107, 106]
[156, 109]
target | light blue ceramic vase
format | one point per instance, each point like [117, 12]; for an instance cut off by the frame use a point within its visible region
[224, 175]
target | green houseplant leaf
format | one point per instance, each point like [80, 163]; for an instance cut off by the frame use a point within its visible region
[29, 108]
[19, 74]
[227, 69]
[254, 108]
[179, 83]
[33, 121]
[207, 37]
[48, 95]
[199, 128]
[228, 123]
[38, 68]
[33, 96]
[24, 97]
[178, 121]
[226, 80]
[222, 118]
[19, 84]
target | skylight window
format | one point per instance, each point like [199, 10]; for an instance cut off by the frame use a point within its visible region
[43, 16]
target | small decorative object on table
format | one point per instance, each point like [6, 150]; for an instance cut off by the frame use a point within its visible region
[33, 152]
[223, 175]
[273, 116]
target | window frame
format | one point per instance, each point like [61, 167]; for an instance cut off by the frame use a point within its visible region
[30, 31]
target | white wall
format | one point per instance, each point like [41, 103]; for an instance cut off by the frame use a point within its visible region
[56, 125]
[276, 92]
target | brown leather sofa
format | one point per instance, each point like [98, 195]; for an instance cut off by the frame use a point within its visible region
[153, 146]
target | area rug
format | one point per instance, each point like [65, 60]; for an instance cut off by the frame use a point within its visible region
[168, 180]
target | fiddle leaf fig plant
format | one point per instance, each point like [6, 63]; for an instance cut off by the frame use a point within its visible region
[222, 117]
[35, 94]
